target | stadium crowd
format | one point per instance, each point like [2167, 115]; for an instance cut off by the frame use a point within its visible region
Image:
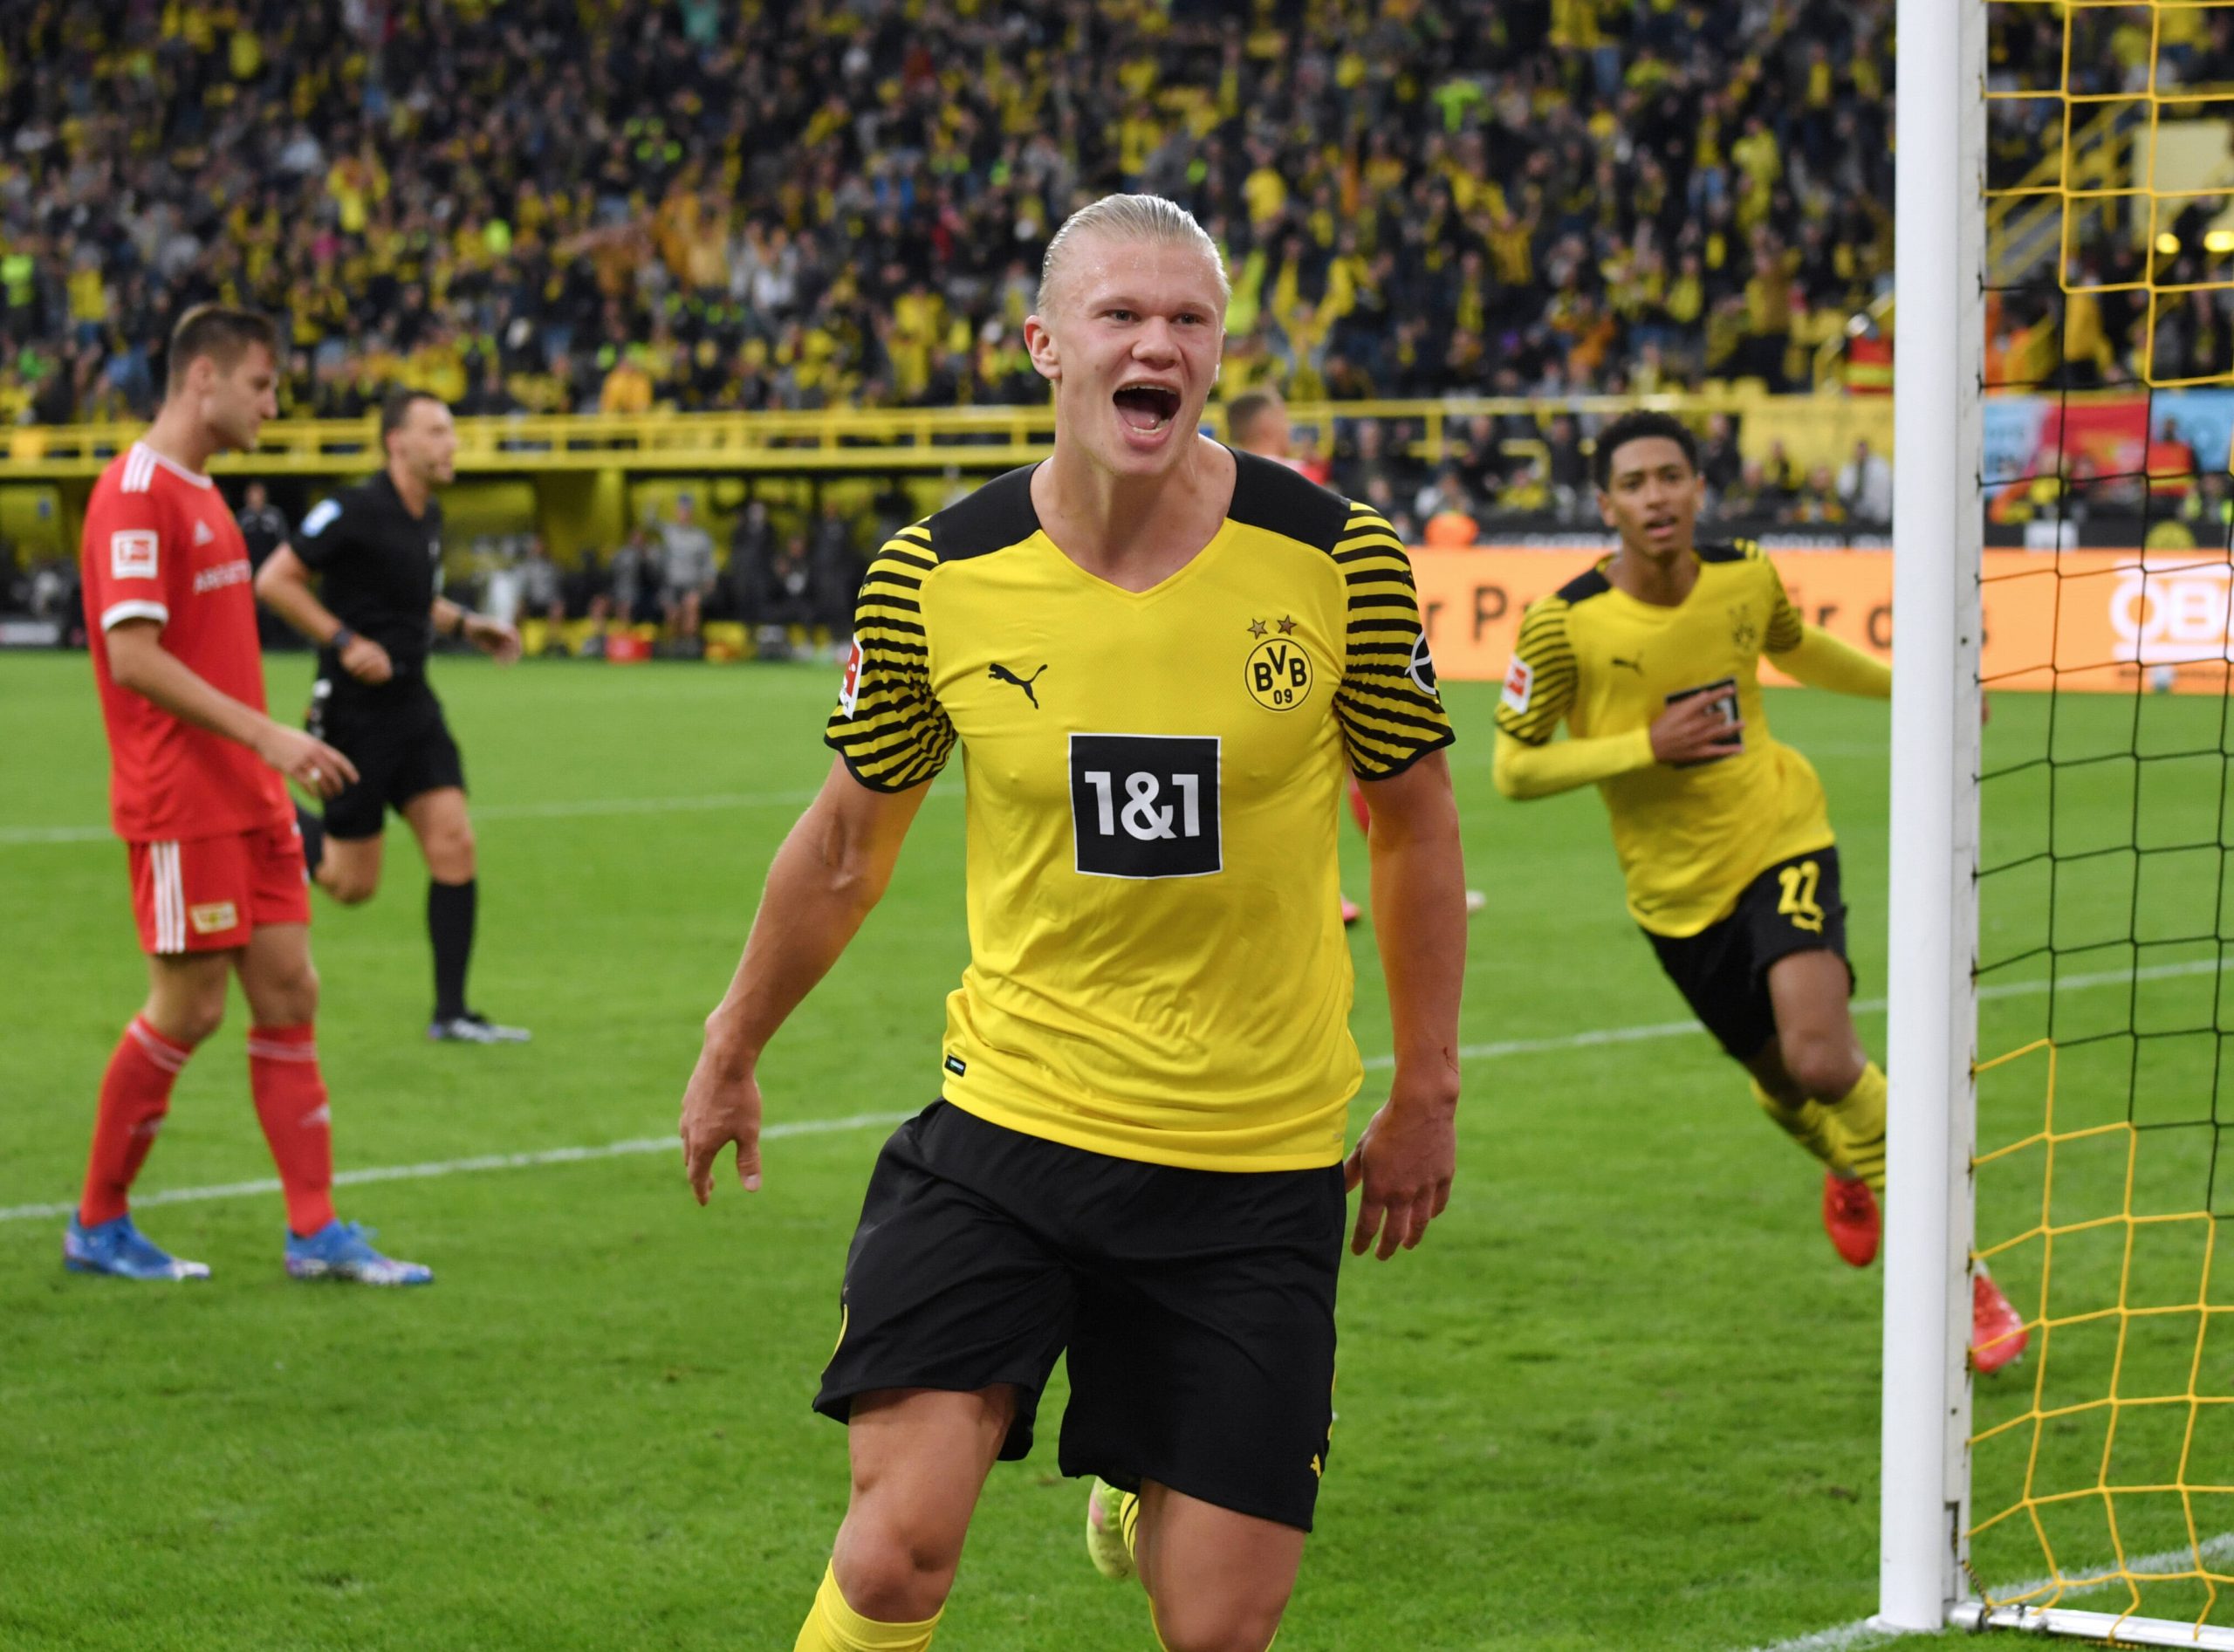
[697, 204]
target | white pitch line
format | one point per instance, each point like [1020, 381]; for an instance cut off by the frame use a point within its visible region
[860, 1122]
[460, 1167]
[1862, 1006]
[559, 809]
[1862, 1632]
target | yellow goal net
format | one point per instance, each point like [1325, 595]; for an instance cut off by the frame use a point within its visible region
[2100, 1491]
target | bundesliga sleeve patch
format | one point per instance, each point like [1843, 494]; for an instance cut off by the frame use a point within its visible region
[1519, 686]
[849, 690]
[132, 554]
[1421, 667]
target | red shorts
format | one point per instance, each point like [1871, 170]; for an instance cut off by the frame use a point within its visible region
[207, 893]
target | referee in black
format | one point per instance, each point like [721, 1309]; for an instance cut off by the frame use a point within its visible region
[376, 549]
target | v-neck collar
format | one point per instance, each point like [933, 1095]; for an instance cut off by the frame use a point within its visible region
[1216, 543]
[1663, 610]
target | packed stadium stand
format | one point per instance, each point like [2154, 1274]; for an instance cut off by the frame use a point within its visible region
[708, 205]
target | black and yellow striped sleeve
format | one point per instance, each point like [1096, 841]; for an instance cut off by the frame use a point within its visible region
[1389, 708]
[1784, 625]
[889, 726]
[1540, 682]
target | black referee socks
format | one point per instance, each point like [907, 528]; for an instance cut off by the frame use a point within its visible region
[449, 926]
[312, 829]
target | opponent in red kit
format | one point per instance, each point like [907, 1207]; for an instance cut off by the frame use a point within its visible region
[197, 791]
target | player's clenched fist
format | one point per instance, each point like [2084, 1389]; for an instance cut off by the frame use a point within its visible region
[721, 1105]
[1696, 731]
[309, 762]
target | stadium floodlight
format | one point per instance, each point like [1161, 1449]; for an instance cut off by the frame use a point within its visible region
[2103, 1194]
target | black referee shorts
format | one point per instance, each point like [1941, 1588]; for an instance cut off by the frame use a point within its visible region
[1723, 972]
[1197, 1306]
[400, 742]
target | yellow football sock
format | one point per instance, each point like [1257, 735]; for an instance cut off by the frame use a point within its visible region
[1811, 1126]
[1128, 1522]
[1860, 1114]
[832, 1626]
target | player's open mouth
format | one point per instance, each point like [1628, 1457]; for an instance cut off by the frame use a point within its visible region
[1146, 406]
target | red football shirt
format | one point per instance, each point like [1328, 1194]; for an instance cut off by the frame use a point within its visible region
[161, 544]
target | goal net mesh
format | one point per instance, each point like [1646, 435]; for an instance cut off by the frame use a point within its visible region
[2102, 1464]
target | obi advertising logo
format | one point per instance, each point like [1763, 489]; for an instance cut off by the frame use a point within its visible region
[2172, 616]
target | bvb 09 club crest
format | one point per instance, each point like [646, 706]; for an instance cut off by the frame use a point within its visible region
[1278, 670]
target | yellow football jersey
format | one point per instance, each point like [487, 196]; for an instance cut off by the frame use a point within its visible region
[1690, 838]
[1157, 967]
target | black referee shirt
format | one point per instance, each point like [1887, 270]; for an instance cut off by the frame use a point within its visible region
[379, 570]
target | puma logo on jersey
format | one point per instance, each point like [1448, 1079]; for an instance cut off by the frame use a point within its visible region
[1636, 666]
[201, 534]
[1002, 674]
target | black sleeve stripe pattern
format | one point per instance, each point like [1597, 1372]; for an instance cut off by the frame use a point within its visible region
[1545, 649]
[1390, 712]
[1736, 551]
[1786, 627]
[895, 735]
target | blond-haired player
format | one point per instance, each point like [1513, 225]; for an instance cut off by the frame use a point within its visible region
[1161, 657]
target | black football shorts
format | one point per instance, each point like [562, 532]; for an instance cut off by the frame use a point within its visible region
[1723, 972]
[400, 744]
[1196, 1307]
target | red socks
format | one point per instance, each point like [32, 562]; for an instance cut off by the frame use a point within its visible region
[135, 1094]
[291, 1105]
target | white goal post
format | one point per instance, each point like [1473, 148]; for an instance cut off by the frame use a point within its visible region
[1925, 1578]
[1938, 535]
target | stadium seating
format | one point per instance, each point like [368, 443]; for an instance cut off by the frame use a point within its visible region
[741, 207]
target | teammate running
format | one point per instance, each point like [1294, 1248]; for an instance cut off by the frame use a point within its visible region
[1652, 659]
[197, 792]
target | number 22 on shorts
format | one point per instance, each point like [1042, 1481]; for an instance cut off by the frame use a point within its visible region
[1798, 901]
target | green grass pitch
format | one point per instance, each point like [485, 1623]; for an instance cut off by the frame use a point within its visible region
[1624, 1396]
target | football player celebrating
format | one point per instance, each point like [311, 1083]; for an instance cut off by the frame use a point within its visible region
[1652, 660]
[1162, 657]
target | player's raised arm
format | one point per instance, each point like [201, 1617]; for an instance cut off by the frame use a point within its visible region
[830, 870]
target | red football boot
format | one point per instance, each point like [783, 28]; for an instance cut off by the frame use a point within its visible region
[1998, 1334]
[1850, 1217]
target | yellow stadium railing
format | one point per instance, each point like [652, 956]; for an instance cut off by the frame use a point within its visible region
[1813, 430]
